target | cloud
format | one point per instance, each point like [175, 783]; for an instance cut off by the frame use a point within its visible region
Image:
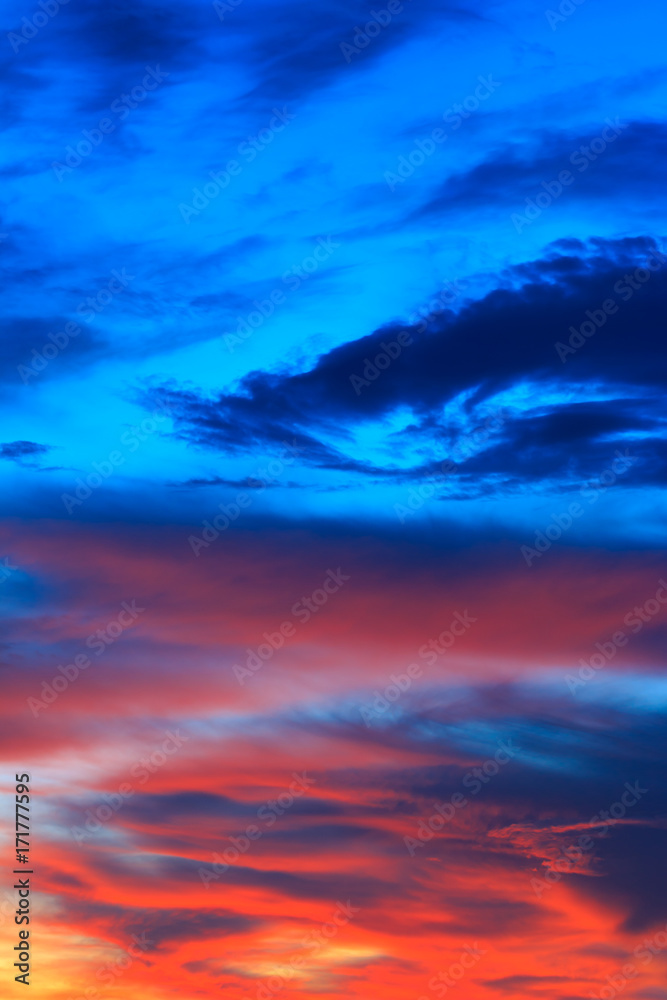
[296, 50]
[25, 338]
[510, 175]
[566, 416]
[510, 984]
[23, 452]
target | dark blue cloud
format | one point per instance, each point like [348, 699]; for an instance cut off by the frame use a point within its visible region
[27, 454]
[19, 451]
[634, 161]
[510, 984]
[520, 334]
[162, 809]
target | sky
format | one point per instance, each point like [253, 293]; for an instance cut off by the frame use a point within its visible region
[332, 531]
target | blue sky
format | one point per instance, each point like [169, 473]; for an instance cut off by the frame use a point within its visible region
[327, 172]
